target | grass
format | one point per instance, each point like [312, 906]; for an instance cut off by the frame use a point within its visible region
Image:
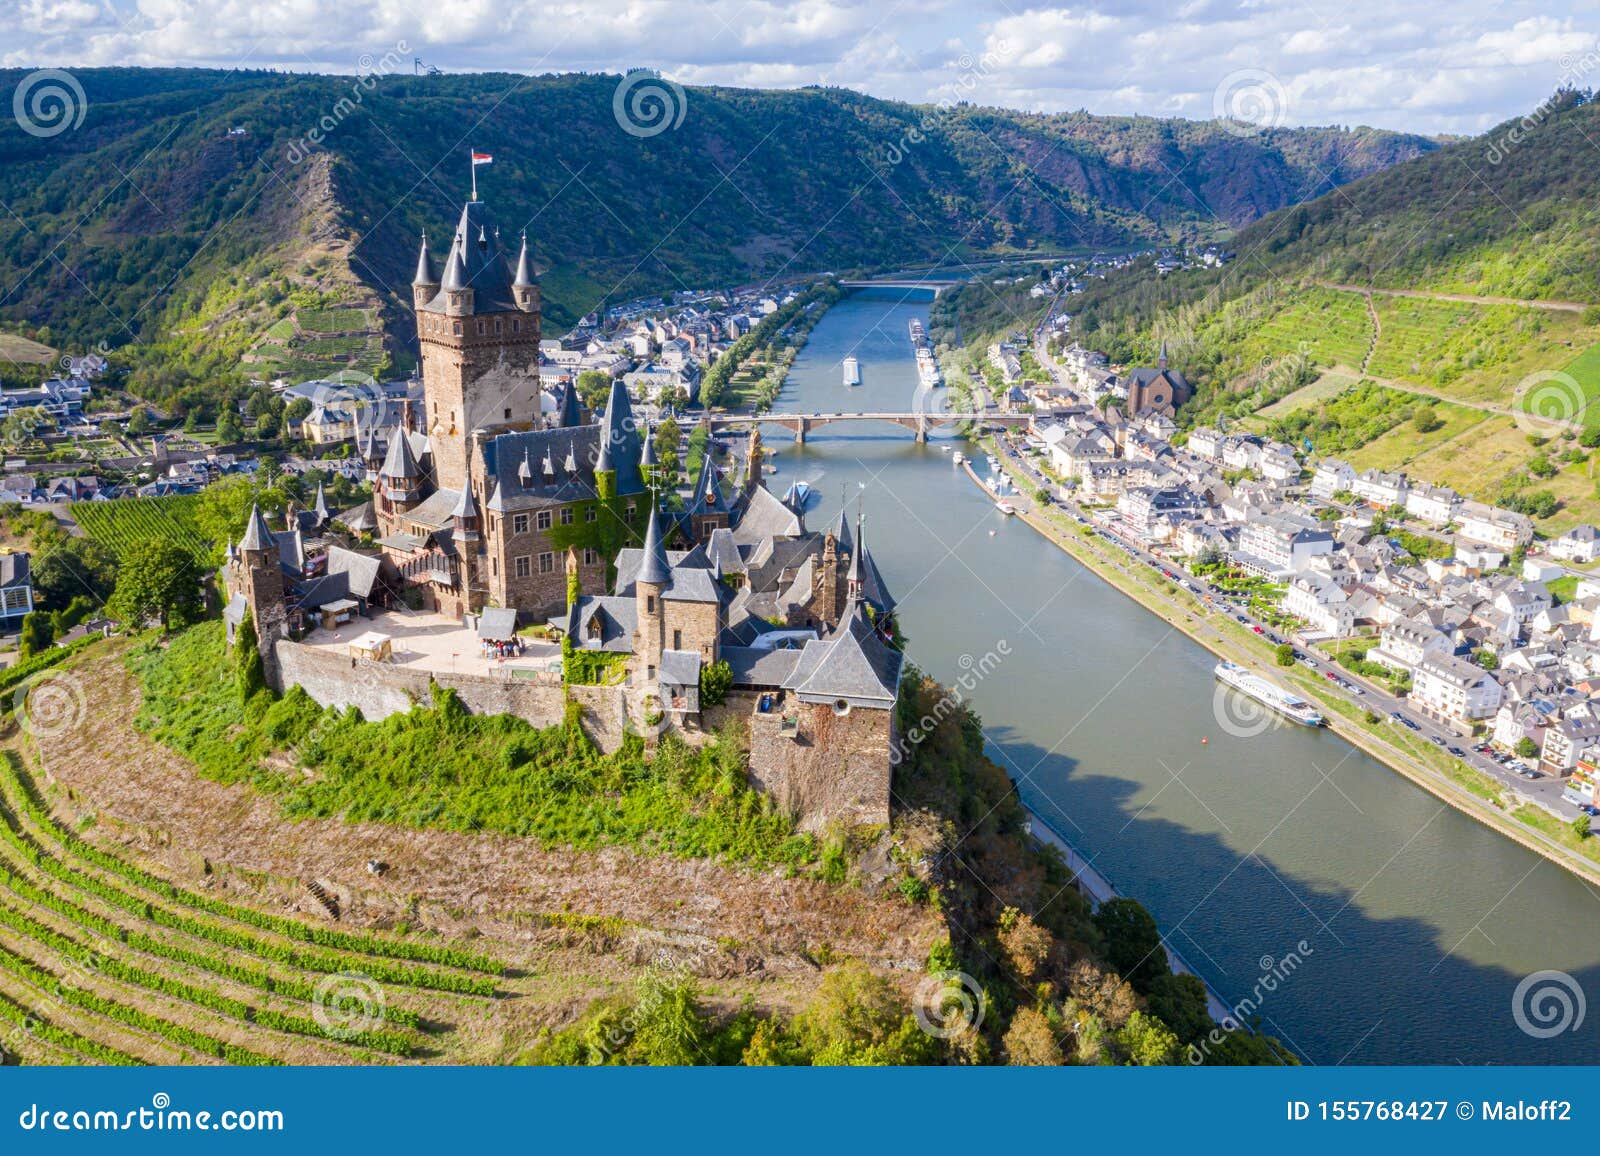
[24, 350]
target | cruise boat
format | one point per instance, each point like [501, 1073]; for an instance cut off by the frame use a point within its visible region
[852, 371]
[1289, 705]
[957, 458]
[1005, 508]
[919, 335]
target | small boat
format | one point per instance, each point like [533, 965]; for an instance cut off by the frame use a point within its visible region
[1291, 706]
[957, 458]
[852, 371]
[1005, 508]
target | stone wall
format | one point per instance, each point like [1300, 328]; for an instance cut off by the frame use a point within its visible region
[827, 768]
[380, 689]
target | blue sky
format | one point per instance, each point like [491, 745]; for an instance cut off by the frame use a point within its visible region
[1456, 66]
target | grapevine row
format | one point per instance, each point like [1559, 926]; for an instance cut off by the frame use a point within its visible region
[31, 973]
[34, 1025]
[16, 784]
[150, 945]
[302, 959]
[126, 973]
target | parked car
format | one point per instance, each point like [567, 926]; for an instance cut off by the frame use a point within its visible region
[1457, 752]
[1258, 630]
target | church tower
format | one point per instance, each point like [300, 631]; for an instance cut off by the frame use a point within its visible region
[478, 329]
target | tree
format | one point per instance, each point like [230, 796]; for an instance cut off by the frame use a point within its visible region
[857, 1018]
[223, 508]
[22, 426]
[158, 581]
[247, 658]
[1526, 748]
[666, 445]
[1426, 419]
[1284, 653]
[1147, 1041]
[1179, 1000]
[229, 431]
[66, 568]
[1133, 945]
[1026, 944]
[1487, 659]
[1031, 1041]
[594, 389]
[714, 683]
[268, 427]
[139, 421]
[38, 632]
[1580, 826]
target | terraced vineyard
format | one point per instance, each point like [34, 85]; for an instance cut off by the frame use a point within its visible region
[124, 521]
[102, 962]
[316, 342]
[1484, 348]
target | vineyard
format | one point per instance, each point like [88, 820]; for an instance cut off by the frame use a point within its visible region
[120, 523]
[102, 962]
[318, 342]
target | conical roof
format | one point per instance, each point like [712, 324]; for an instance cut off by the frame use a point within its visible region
[649, 457]
[569, 413]
[654, 568]
[321, 506]
[620, 446]
[455, 270]
[400, 462]
[424, 275]
[257, 534]
[524, 267]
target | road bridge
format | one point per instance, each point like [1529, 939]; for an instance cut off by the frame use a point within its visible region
[918, 423]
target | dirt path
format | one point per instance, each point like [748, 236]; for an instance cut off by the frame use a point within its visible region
[1469, 298]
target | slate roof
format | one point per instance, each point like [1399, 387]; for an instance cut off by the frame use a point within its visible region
[497, 623]
[15, 570]
[601, 622]
[764, 516]
[852, 664]
[477, 261]
[760, 667]
[680, 667]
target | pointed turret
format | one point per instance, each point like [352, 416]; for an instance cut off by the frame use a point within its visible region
[401, 476]
[321, 506]
[648, 460]
[569, 413]
[258, 537]
[653, 568]
[620, 447]
[856, 578]
[524, 288]
[424, 284]
[1161, 362]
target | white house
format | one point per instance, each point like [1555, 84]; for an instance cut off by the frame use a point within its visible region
[1381, 489]
[1283, 542]
[1321, 604]
[1406, 644]
[1204, 442]
[1332, 476]
[1579, 544]
[1502, 529]
[1278, 464]
[1435, 505]
[1455, 691]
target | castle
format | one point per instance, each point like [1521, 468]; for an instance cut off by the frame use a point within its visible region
[494, 511]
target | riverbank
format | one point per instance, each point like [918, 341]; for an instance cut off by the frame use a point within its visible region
[1217, 632]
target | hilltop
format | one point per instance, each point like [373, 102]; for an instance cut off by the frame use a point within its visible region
[153, 224]
[1408, 320]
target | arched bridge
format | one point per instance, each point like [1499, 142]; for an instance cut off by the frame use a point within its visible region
[934, 287]
[917, 423]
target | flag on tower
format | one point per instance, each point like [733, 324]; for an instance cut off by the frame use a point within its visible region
[482, 159]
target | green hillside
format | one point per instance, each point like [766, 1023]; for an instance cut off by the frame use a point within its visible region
[151, 227]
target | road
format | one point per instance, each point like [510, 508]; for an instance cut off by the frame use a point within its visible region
[1544, 790]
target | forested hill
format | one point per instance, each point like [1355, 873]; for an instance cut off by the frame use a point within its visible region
[1512, 213]
[149, 222]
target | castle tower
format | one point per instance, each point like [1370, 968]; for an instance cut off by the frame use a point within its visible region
[259, 577]
[856, 579]
[400, 478]
[479, 336]
[468, 537]
[649, 585]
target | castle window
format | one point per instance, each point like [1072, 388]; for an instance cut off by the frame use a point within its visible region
[590, 558]
[633, 511]
[494, 567]
[544, 519]
[458, 329]
[524, 566]
[566, 515]
[497, 325]
[519, 523]
[480, 329]
[516, 325]
[677, 640]
[508, 414]
[547, 563]
[649, 603]
[590, 514]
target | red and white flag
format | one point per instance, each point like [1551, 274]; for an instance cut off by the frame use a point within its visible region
[481, 159]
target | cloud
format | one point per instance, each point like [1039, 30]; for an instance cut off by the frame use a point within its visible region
[1464, 67]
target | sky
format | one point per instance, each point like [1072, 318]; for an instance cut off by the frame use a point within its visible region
[1455, 66]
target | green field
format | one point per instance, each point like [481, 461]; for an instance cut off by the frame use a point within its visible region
[122, 522]
[21, 349]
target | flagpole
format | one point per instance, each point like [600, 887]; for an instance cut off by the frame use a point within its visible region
[473, 165]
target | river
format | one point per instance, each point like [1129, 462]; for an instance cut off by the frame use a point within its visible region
[1417, 924]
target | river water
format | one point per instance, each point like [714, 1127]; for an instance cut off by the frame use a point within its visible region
[1407, 927]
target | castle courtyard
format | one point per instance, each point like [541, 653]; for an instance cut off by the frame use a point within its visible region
[437, 644]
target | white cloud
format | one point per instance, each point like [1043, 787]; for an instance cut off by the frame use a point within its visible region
[1464, 67]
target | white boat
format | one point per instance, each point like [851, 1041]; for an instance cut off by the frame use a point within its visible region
[852, 371]
[1005, 508]
[957, 458]
[1290, 706]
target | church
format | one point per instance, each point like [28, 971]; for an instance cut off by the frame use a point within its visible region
[1157, 391]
